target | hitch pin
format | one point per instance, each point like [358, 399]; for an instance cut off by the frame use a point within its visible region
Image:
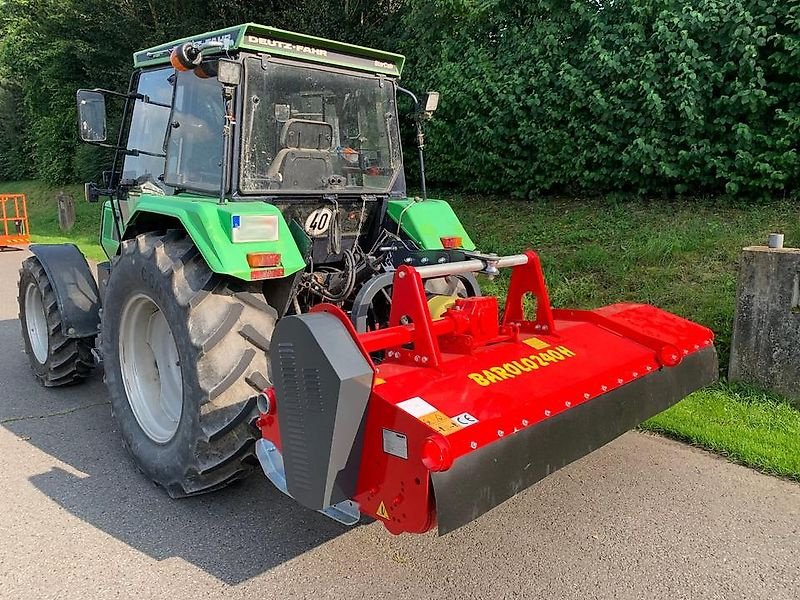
[490, 270]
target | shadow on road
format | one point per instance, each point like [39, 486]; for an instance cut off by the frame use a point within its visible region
[234, 535]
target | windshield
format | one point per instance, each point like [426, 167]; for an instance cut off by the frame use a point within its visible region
[307, 129]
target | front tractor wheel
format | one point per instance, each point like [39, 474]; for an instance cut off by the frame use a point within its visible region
[56, 359]
[185, 356]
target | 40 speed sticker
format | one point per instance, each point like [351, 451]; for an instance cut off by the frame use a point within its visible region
[523, 365]
[318, 222]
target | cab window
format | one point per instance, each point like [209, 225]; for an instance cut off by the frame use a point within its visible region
[147, 129]
[194, 142]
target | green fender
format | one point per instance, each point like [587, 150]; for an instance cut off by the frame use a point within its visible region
[210, 225]
[427, 221]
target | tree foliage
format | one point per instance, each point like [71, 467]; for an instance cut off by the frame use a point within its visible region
[543, 96]
[50, 48]
[14, 150]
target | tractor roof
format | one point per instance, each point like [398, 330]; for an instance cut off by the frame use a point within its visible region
[260, 38]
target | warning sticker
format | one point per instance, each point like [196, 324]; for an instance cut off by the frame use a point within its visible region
[382, 512]
[536, 343]
[395, 443]
[433, 418]
[440, 422]
[416, 407]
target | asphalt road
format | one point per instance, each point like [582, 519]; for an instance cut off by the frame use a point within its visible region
[644, 517]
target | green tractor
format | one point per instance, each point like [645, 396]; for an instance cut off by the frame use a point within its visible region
[257, 173]
[272, 297]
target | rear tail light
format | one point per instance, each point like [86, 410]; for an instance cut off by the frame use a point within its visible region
[436, 454]
[451, 242]
[263, 259]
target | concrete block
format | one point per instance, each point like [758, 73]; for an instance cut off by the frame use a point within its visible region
[765, 349]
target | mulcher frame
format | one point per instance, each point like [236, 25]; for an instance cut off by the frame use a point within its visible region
[506, 404]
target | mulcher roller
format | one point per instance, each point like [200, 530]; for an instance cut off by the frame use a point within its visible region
[434, 421]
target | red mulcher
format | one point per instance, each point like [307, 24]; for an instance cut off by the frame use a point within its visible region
[434, 421]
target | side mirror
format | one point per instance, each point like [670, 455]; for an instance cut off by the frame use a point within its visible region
[91, 116]
[430, 102]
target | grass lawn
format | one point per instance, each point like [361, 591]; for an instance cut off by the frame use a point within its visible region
[678, 255]
[747, 426]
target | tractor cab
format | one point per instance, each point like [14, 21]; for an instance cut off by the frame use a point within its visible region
[310, 130]
[288, 115]
[253, 113]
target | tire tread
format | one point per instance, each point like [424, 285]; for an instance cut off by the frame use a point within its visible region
[215, 311]
[69, 360]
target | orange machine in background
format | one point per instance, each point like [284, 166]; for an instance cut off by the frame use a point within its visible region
[13, 220]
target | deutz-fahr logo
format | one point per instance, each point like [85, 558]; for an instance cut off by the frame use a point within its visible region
[226, 39]
[252, 39]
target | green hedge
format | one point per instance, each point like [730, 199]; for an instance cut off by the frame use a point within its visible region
[649, 96]
[541, 96]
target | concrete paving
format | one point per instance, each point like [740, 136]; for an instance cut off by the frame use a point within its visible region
[644, 517]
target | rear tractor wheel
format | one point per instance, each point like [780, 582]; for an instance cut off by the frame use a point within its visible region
[56, 359]
[184, 354]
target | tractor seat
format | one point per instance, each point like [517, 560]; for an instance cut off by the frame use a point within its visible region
[304, 161]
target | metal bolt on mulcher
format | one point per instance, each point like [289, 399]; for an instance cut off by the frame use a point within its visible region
[435, 421]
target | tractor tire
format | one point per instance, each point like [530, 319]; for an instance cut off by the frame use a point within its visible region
[56, 359]
[185, 356]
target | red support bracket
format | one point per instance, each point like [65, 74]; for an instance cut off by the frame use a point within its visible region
[529, 279]
[410, 306]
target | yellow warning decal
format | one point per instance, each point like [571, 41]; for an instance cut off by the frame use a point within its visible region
[536, 343]
[382, 512]
[433, 417]
[526, 364]
[440, 422]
